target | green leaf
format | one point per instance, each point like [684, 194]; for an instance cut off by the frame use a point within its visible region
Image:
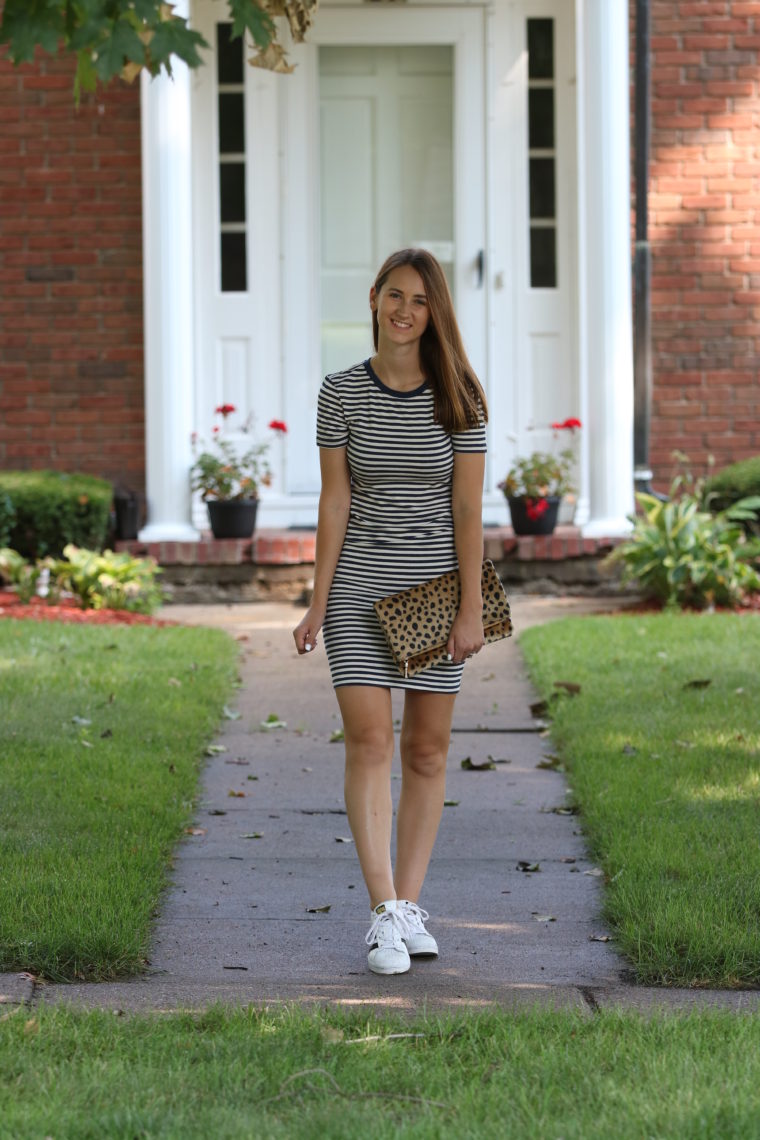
[174, 37]
[248, 16]
[121, 45]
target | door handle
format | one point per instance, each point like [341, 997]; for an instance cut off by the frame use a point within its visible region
[480, 265]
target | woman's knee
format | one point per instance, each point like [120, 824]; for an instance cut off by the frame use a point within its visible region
[368, 746]
[424, 756]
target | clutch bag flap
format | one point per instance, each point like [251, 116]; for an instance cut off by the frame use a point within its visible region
[417, 622]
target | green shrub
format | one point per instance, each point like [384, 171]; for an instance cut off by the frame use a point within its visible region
[108, 580]
[7, 517]
[54, 509]
[683, 555]
[17, 572]
[733, 483]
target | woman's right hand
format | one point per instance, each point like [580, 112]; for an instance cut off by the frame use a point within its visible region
[305, 633]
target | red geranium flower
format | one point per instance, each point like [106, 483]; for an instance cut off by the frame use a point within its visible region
[535, 508]
[278, 425]
[567, 425]
[225, 410]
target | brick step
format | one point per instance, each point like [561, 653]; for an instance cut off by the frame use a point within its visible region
[279, 564]
[296, 547]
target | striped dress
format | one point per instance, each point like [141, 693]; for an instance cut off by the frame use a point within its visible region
[400, 530]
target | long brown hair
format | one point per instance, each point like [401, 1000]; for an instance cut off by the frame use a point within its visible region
[459, 399]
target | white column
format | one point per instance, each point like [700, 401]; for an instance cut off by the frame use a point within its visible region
[604, 243]
[168, 301]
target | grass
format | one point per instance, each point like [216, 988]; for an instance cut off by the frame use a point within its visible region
[543, 1075]
[667, 779]
[102, 733]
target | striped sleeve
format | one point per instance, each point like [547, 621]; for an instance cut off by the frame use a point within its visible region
[472, 440]
[332, 429]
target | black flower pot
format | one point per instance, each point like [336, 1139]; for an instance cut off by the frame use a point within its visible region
[522, 509]
[232, 518]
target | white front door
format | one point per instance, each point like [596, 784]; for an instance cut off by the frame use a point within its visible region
[303, 184]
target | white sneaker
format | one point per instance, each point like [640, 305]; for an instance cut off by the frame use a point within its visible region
[388, 955]
[418, 942]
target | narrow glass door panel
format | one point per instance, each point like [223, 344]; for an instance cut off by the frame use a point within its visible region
[386, 177]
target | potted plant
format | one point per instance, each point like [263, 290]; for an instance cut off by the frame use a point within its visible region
[535, 485]
[229, 477]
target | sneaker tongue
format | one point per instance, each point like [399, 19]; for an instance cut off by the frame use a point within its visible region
[384, 907]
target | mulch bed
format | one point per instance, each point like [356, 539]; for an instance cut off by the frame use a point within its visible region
[69, 610]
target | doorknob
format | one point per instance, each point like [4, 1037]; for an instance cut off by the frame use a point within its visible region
[480, 265]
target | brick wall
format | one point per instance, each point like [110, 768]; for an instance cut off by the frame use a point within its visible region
[705, 230]
[71, 339]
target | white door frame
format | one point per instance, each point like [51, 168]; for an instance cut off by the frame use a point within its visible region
[463, 29]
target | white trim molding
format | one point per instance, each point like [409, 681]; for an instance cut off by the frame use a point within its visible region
[168, 300]
[604, 263]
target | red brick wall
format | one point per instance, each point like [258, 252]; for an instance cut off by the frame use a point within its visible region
[71, 337]
[705, 230]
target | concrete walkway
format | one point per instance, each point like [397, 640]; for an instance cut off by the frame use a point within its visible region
[267, 902]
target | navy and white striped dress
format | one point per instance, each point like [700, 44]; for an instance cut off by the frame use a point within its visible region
[400, 530]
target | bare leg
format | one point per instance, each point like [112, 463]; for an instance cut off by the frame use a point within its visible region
[425, 734]
[368, 729]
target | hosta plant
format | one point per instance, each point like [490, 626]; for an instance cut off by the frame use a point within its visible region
[682, 555]
[108, 580]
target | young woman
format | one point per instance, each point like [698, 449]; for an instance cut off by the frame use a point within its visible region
[402, 455]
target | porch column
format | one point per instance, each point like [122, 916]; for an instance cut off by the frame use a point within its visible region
[604, 242]
[168, 300]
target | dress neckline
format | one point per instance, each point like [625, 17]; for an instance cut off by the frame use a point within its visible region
[392, 391]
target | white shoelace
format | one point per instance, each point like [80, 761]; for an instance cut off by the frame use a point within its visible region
[387, 929]
[415, 918]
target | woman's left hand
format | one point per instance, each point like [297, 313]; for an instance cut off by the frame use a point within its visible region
[466, 637]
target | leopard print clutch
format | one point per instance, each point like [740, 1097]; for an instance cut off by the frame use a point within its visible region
[417, 622]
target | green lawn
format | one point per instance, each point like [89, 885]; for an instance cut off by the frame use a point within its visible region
[666, 774]
[101, 738]
[534, 1076]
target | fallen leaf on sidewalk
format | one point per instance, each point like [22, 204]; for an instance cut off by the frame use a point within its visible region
[239, 760]
[234, 967]
[237, 795]
[215, 749]
[543, 917]
[273, 721]
[337, 736]
[252, 835]
[251, 777]
[595, 872]
[343, 839]
[195, 830]
[318, 909]
[230, 714]
[599, 938]
[451, 803]
[524, 865]
[469, 766]
[217, 811]
[568, 859]
[497, 761]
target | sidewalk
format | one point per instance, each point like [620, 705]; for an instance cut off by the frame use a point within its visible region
[268, 905]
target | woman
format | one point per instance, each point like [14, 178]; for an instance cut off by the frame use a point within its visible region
[402, 456]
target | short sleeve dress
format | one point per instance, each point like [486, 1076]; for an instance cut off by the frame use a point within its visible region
[400, 530]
